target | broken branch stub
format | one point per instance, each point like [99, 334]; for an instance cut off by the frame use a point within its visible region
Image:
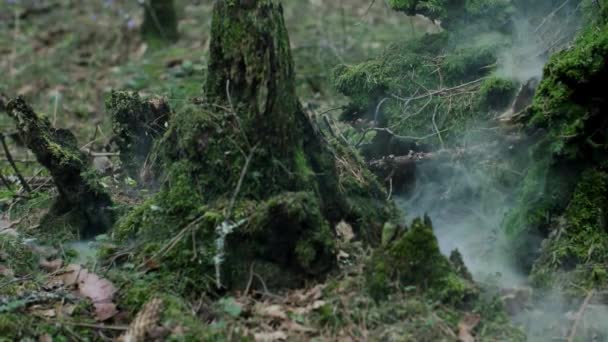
[136, 124]
[80, 192]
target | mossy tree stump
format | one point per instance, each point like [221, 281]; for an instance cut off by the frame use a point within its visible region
[250, 173]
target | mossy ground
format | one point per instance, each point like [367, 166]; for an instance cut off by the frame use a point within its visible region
[563, 192]
[70, 61]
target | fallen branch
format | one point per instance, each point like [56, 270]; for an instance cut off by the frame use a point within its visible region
[413, 158]
[57, 150]
[439, 91]
[579, 315]
[11, 161]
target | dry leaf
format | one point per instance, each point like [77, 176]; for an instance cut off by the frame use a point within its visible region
[6, 272]
[466, 326]
[270, 336]
[50, 266]
[68, 309]
[47, 313]
[145, 321]
[89, 285]
[345, 231]
[273, 311]
[9, 232]
[296, 327]
[25, 90]
[45, 338]
[317, 304]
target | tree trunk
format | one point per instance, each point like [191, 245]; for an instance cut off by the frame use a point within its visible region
[160, 22]
[272, 186]
[252, 68]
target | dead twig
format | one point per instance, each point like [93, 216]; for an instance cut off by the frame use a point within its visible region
[94, 326]
[11, 161]
[579, 315]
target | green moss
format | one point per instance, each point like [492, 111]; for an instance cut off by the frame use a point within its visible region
[578, 244]
[496, 93]
[414, 259]
[568, 103]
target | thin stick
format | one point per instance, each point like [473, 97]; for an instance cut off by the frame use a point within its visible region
[95, 326]
[579, 315]
[440, 91]
[437, 128]
[240, 182]
[5, 181]
[14, 166]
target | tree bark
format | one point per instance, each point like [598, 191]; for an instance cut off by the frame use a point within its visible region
[160, 22]
[56, 149]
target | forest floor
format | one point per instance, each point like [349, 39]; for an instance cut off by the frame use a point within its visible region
[65, 56]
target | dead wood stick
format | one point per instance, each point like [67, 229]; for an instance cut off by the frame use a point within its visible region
[418, 157]
[439, 91]
[11, 161]
[5, 181]
[579, 315]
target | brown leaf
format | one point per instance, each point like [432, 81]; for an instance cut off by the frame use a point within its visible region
[466, 326]
[47, 313]
[104, 311]
[89, 285]
[298, 328]
[270, 336]
[145, 322]
[6, 272]
[345, 231]
[273, 311]
[68, 309]
[50, 266]
[45, 338]
[26, 89]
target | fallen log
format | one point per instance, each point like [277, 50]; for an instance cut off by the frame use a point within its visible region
[80, 193]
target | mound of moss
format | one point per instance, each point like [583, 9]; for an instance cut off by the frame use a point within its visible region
[563, 193]
[411, 258]
[250, 187]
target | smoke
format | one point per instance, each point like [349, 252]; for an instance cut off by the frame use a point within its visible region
[467, 205]
[467, 198]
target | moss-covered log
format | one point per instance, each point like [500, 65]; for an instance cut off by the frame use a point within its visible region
[80, 193]
[160, 22]
[250, 173]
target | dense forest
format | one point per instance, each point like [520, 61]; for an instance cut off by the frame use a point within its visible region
[303, 170]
